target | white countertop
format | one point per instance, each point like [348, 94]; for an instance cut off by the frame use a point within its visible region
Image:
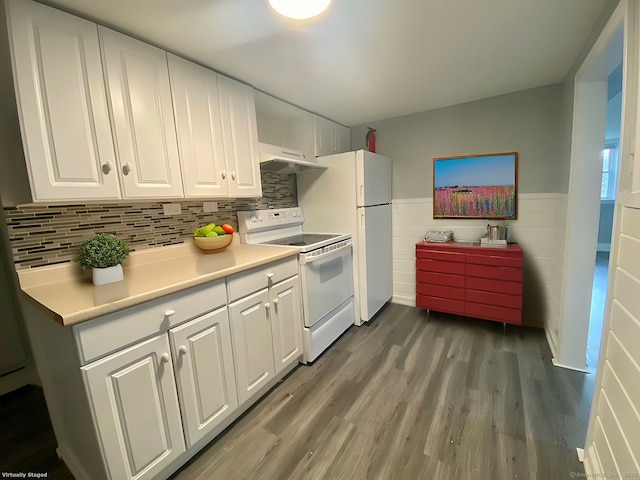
[67, 294]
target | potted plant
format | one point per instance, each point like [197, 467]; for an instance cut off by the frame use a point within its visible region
[104, 253]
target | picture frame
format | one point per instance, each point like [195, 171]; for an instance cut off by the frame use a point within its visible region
[483, 186]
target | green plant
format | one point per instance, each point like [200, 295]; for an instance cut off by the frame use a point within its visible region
[102, 251]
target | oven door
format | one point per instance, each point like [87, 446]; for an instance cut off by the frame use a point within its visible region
[327, 281]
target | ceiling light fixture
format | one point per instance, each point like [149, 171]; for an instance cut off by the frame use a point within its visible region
[299, 9]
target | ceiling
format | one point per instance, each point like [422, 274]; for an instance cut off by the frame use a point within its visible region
[366, 60]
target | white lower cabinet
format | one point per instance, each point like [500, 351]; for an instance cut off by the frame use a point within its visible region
[135, 406]
[286, 323]
[204, 373]
[252, 342]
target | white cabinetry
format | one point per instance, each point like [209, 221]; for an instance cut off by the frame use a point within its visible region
[143, 124]
[253, 344]
[330, 137]
[197, 111]
[61, 105]
[203, 361]
[135, 405]
[217, 132]
[266, 323]
[240, 136]
[286, 323]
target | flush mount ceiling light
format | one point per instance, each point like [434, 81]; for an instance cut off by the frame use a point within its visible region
[299, 9]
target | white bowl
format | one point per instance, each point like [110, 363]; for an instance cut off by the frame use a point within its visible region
[212, 244]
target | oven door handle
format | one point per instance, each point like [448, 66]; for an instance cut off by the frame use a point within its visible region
[304, 259]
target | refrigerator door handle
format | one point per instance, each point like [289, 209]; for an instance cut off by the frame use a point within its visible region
[361, 219]
[362, 193]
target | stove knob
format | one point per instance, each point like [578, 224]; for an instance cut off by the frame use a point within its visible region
[254, 219]
[260, 219]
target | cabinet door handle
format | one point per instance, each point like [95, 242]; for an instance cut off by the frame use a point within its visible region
[267, 305]
[126, 168]
[182, 350]
[169, 313]
[106, 168]
[233, 175]
[164, 358]
[275, 301]
[223, 174]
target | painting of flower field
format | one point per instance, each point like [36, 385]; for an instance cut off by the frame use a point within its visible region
[480, 186]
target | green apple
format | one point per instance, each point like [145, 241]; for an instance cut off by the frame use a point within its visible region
[219, 230]
[211, 234]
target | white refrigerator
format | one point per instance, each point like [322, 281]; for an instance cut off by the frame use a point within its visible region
[353, 195]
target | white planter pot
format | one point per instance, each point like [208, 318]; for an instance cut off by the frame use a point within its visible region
[102, 276]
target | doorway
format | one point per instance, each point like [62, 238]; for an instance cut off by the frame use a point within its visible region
[591, 98]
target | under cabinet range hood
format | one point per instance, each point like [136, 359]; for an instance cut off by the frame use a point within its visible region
[284, 160]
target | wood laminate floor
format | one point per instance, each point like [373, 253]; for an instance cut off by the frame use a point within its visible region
[404, 397]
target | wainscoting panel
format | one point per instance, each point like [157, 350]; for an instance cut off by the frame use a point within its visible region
[536, 230]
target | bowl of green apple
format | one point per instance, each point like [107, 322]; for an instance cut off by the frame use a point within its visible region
[212, 237]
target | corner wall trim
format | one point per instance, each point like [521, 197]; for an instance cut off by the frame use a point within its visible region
[556, 364]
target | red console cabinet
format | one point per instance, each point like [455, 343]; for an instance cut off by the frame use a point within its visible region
[475, 281]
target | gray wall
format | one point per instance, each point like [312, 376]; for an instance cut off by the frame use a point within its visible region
[527, 122]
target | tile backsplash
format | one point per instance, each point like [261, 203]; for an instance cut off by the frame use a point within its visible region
[46, 234]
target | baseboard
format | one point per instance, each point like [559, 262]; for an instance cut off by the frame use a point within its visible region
[604, 247]
[409, 300]
[551, 343]
[14, 380]
[575, 369]
[580, 452]
[72, 463]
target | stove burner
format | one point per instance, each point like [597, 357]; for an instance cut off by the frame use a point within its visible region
[301, 240]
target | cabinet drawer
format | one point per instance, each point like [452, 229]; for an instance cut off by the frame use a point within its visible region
[440, 291]
[440, 255]
[96, 338]
[438, 304]
[492, 298]
[440, 279]
[440, 266]
[491, 312]
[494, 272]
[499, 260]
[490, 285]
[244, 283]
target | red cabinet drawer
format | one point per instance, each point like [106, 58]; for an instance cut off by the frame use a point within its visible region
[439, 266]
[440, 279]
[491, 312]
[492, 298]
[494, 272]
[499, 260]
[440, 291]
[440, 255]
[490, 285]
[438, 304]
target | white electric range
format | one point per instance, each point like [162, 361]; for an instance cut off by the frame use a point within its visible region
[325, 267]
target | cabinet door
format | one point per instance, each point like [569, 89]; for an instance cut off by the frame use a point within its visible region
[143, 124]
[197, 111]
[240, 134]
[344, 139]
[286, 322]
[252, 343]
[135, 407]
[62, 104]
[204, 371]
[323, 132]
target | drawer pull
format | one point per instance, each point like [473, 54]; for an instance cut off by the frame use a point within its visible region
[169, 313]
[182, 350]
[164, 358]
[269, 276]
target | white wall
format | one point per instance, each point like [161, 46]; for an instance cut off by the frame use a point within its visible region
[539, 216]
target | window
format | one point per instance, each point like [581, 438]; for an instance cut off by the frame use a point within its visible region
[609, 167]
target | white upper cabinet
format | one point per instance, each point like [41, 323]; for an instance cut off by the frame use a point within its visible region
[61, 104]
[137, 80]
[240, 136]
[197, 112]
[330, 137]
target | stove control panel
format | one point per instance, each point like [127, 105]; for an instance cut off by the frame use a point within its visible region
[256, 220]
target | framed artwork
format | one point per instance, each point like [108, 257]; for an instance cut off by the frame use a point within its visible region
[476, 186]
